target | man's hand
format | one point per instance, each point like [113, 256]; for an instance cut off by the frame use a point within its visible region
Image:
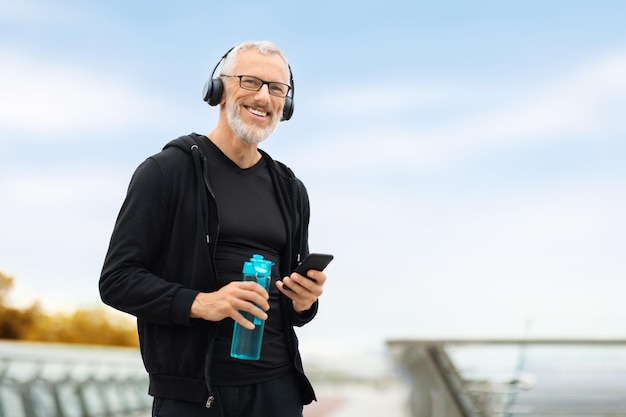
[303, 291]
[228, 300]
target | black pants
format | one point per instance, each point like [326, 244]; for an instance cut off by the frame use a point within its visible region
[277, 398]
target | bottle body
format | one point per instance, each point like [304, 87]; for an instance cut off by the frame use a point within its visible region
[246, 344]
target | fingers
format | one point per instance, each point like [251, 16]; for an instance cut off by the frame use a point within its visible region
[303, 291]
[313, 283]
[246, 319]
[249, 291]
[248, 298]
[230, 301]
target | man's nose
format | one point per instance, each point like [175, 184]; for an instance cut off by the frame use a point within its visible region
[264, 91]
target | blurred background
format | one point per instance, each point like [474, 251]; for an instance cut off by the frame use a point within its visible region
[464, 160]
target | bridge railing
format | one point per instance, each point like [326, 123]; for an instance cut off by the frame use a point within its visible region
[50, 380]
[547, 376]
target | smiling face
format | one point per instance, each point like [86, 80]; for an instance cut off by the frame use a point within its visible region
[254, 115]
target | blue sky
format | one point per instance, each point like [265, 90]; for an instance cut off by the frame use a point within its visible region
[465, 160]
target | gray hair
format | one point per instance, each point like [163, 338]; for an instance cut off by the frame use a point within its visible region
[262, 47]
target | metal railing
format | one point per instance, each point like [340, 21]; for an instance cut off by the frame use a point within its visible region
[554, 386]
[38, 380]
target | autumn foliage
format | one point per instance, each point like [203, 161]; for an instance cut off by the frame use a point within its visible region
[97, 326]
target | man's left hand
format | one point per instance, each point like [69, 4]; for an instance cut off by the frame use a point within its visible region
[303, 291]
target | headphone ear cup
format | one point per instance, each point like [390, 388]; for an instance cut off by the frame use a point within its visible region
[213, 90]
[288, 108]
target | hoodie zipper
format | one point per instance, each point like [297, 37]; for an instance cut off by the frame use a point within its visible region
[209, 401]
[200, 167]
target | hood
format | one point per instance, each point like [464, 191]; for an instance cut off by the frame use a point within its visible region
[184, 143]
[189, 145]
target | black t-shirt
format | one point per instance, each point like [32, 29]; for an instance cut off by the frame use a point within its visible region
[250, 223]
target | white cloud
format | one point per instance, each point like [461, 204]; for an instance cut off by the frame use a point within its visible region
[530, 252]
[42, 12]
[583, 102]
[57, 224]
[60, 188]
[384, 96]
[20, 10]
[40, 97]
[55, 230]
[568, 106]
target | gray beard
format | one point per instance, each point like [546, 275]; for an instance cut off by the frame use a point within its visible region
[248, 134]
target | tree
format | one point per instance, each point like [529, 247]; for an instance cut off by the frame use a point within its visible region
[6, 285]
[96, 326]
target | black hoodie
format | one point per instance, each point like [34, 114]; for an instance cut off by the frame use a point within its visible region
[161, 255]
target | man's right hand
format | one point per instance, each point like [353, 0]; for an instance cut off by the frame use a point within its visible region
[228, 300]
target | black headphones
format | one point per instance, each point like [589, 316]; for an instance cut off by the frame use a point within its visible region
[214, 88]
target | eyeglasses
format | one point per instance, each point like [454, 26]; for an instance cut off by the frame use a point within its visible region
[248, 82]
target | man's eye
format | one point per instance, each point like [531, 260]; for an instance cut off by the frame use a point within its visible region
[279, 89]
[250, 82]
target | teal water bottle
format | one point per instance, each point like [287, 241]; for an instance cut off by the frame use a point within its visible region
[246, 343]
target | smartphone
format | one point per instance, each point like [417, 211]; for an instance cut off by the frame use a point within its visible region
[317, 261]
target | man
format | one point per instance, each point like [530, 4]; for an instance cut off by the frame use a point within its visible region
[193, 214]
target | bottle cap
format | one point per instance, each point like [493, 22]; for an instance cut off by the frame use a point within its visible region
[260, 265]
